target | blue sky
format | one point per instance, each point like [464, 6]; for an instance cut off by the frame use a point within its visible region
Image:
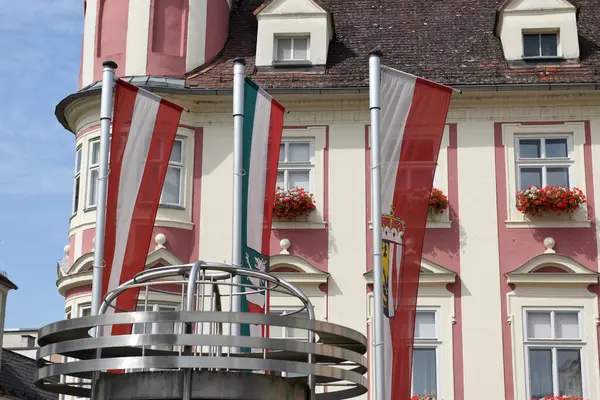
[40, 43]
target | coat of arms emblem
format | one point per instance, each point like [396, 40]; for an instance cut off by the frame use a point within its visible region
[392, 235]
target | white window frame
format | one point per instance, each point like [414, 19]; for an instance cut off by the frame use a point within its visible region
[82, 308]
[544, 162]
[179, 165]
[286, 166]
[577, 173]
[554, 344]
[92, 167]
[431, 343]
[77, 179]
[538, 34]
[292, 39]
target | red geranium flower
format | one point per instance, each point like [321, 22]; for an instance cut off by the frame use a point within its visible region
[291, 203]
[438, 201]
[535, 201]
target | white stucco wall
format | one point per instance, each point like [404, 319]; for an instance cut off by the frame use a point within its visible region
[138, 33]
[346, 117]
[89, 43]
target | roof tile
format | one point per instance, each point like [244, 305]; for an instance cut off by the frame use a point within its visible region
[453, 43]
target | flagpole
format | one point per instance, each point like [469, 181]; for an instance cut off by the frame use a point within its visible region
[238, 136]
[375, 110]
[106, 108]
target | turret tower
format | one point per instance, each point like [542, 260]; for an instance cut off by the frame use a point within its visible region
[151, 37]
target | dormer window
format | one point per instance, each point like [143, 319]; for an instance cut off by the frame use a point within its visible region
[293, 35]
[540, 45]
[292, 49]
[534, 32]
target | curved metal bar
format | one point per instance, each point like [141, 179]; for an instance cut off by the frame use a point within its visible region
[149, 275]
[77, 328]
[191, 287]
[191, 362]
[339, 355]
[67, 348]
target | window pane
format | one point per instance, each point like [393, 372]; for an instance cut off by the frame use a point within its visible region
[538, 325]
[566, 325]
[529, 148]
[176, 155]
[95, 152]
[540, 372]
[425, 325]
[284, 49]
[282, 152]
[569, 372]
[299, 179]
[549, 44]
[558, 176]
[556, 148]
[300, 48]
[298, 152]
[424, 371]
[85, 312]
[281, 179]
[531, 45]
[76, 195]
[93, 187]
[172, 185]
[530, 177]
[78, 161]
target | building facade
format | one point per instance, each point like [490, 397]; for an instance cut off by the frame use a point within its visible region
[22, 341]
[508, 302]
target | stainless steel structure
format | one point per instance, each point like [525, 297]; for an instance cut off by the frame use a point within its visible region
[331, 355]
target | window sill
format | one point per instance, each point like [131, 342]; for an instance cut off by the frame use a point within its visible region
[171, 206]
[439, 224]
[292, 63]
[524, 224]
[298, 224]
[543, 58]
[438, 220]
[431, 224]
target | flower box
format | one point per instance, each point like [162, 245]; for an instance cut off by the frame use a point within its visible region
[536, 201]
[438, 201]
[559, 397]
[293, 203]
[423, 397]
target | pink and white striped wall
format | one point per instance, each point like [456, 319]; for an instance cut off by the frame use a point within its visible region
[151, 37]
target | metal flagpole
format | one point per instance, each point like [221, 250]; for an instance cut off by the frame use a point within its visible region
[238, 135]
[106, 108]
[375, 109]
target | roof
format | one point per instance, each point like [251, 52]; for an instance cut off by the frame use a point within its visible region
[17, 374]
[453, 43]
[267, 2]
[7, 282]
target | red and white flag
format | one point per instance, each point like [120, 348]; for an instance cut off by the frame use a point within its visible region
[143, 132]
[413, 115]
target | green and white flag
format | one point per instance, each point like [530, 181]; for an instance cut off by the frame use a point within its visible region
[263, 127]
